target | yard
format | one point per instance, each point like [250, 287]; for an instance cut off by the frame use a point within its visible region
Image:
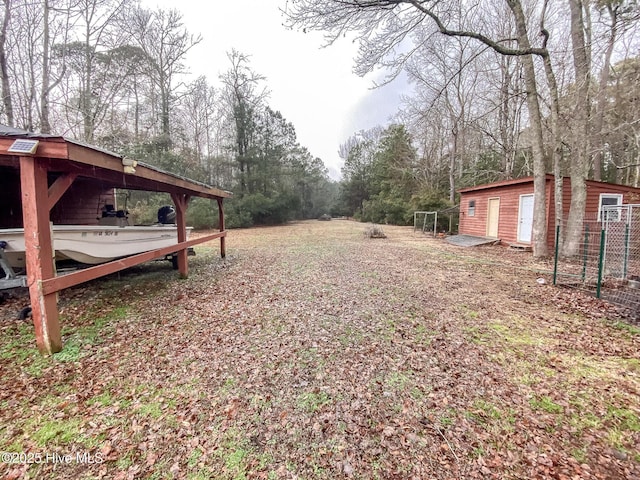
[313, 352]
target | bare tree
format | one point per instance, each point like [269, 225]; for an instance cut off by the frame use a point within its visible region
[45, 125]
[165, 41]
[382, 26]
[57, 20]
[4, 72]
[243, 95]
[580, 164]
[618, 17]
[26, 58]
[90, 81]
[447, 81]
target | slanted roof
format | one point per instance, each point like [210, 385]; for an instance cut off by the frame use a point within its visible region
[72, 156]
[503, 183]
[549, 177]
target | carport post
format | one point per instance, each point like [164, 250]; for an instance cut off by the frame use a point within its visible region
[39, 254]
[181, 201]
[221, 227]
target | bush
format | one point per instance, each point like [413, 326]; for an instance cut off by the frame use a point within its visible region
[258, 209]
[388, 210]
[143, 206]
[235, 218]
[374, 231]
[202, 214]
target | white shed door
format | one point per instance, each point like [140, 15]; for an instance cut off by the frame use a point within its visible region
[525, 218]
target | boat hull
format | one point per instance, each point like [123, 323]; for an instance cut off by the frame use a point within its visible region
[94, 244]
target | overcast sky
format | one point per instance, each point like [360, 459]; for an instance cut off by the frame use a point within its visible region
[313, 87]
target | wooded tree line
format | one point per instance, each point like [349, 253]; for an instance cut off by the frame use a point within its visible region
[112, 73]
[502, 90]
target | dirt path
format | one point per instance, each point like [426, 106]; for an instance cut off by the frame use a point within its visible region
[313, 352]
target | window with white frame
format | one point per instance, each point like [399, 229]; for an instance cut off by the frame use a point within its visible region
[609, 200]
[472, 208]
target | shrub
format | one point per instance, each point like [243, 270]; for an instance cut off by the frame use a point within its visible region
[374, 231]
[387, 210]
[202, 213]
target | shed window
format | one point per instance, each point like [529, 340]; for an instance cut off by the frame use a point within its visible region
[608, 200]
[472, 208]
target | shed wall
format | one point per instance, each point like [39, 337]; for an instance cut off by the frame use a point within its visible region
[508, 217]
[10, 203]
[80, 205]
[509, 205]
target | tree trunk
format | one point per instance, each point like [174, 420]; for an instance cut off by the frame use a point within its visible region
[556, 143]
[540, 248]
[45, 126]
[453, 153]
[602, 96]
[503, 118]
[579, 158]
[87, 114]
[6, 87]
[164, 112]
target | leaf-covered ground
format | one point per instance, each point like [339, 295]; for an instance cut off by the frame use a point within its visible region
[313, 352]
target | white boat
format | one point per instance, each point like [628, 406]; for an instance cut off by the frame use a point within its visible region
[93, 244]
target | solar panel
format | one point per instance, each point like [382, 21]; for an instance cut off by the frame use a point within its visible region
[23, 145]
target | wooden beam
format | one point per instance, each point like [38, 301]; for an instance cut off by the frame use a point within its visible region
[52, 147]
[92, 157]
[39, 254]
[94, 162]
[223, 252]
[56, 284]
[9, 161]
[120, 179]
[58, 188]
[181, 202]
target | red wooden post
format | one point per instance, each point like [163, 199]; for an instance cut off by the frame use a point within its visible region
[181, 201]
[221, 227]
[39, 254]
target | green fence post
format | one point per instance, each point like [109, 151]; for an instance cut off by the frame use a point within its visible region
[586, 251]
[600, 262]
[555, 260]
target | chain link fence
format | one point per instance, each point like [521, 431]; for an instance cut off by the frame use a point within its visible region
[607, 261]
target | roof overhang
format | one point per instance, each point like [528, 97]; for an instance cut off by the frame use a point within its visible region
[504, 183]
[548, 178]
[70, 156]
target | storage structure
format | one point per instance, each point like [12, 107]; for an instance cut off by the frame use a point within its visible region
[47, 178]
[504, 210]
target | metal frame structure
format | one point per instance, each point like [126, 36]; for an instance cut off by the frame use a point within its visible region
[71, 160]
[424, 223]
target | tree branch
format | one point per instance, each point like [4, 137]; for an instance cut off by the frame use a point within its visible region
[496, 46]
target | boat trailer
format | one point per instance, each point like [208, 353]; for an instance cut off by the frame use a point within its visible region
[11, 278]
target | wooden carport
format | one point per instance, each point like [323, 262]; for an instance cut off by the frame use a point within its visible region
[71, 160]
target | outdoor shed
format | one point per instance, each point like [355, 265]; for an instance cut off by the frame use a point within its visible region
[47, 179]
[504, 210]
